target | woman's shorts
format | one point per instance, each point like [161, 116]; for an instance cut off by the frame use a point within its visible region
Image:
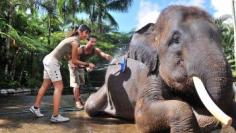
[76, 76]
[51, 69]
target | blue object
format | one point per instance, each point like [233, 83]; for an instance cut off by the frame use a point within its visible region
[122, 64]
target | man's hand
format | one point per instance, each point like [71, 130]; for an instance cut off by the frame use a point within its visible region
[90, 67]
[108, 57]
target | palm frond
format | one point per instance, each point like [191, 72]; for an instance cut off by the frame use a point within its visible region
[111, 20]
[119, 5]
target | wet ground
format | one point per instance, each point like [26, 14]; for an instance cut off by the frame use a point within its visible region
[15, 118]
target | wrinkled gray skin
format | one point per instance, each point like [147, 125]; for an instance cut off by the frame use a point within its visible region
[124, 86]
[186, 43]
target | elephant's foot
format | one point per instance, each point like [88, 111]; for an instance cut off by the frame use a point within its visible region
[173, 115]
[96, 102]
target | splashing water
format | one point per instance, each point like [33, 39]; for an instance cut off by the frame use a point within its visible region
[118, 53]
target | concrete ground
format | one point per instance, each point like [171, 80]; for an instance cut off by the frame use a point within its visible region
[16, 118]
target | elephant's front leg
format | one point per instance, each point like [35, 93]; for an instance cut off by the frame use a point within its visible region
[96, 102]
[159, 116]
[206, 121]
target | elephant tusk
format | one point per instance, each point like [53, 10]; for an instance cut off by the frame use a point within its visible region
[209, 104]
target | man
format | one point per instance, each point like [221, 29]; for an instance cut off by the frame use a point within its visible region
[77, 73]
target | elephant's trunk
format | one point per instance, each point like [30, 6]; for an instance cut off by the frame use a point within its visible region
[210, 65]
[209, 104]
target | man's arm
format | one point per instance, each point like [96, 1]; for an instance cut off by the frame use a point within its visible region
[100, 53]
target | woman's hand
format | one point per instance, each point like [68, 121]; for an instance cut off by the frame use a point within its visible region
[73, 66]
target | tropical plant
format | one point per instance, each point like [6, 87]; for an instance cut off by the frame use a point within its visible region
[99, 11]
[29, 29]
[227, 39]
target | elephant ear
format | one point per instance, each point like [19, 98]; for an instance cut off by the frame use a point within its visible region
[141, 47]
[145, 29]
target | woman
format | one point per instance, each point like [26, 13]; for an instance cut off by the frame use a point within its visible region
[52, 74]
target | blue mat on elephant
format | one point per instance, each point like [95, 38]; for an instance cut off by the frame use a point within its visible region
[121, 61]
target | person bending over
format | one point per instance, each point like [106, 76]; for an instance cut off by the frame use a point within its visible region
[52, 74]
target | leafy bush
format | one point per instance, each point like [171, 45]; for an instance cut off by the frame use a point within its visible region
[227, 41]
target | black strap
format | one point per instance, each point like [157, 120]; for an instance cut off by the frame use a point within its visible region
[83, 50]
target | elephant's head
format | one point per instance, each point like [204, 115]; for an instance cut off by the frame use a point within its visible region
[188, 45]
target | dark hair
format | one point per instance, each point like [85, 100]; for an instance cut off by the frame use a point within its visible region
[92, 36]
[81, 28]
[84, 27]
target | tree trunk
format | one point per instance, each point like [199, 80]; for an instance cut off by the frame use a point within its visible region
[100, 23]
[74, 5]
[22, 71]
[49, 29]
[92, 18]
[33, 72]
[8, 40]
[13, 65]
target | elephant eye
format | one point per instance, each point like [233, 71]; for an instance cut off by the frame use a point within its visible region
[175, 39]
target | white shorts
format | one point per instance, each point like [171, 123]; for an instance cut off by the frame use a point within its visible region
[76, 76]
[51, 69]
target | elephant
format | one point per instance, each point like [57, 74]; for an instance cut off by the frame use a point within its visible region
[157, 90]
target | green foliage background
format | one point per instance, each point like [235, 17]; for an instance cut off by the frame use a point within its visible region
[30, 29]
